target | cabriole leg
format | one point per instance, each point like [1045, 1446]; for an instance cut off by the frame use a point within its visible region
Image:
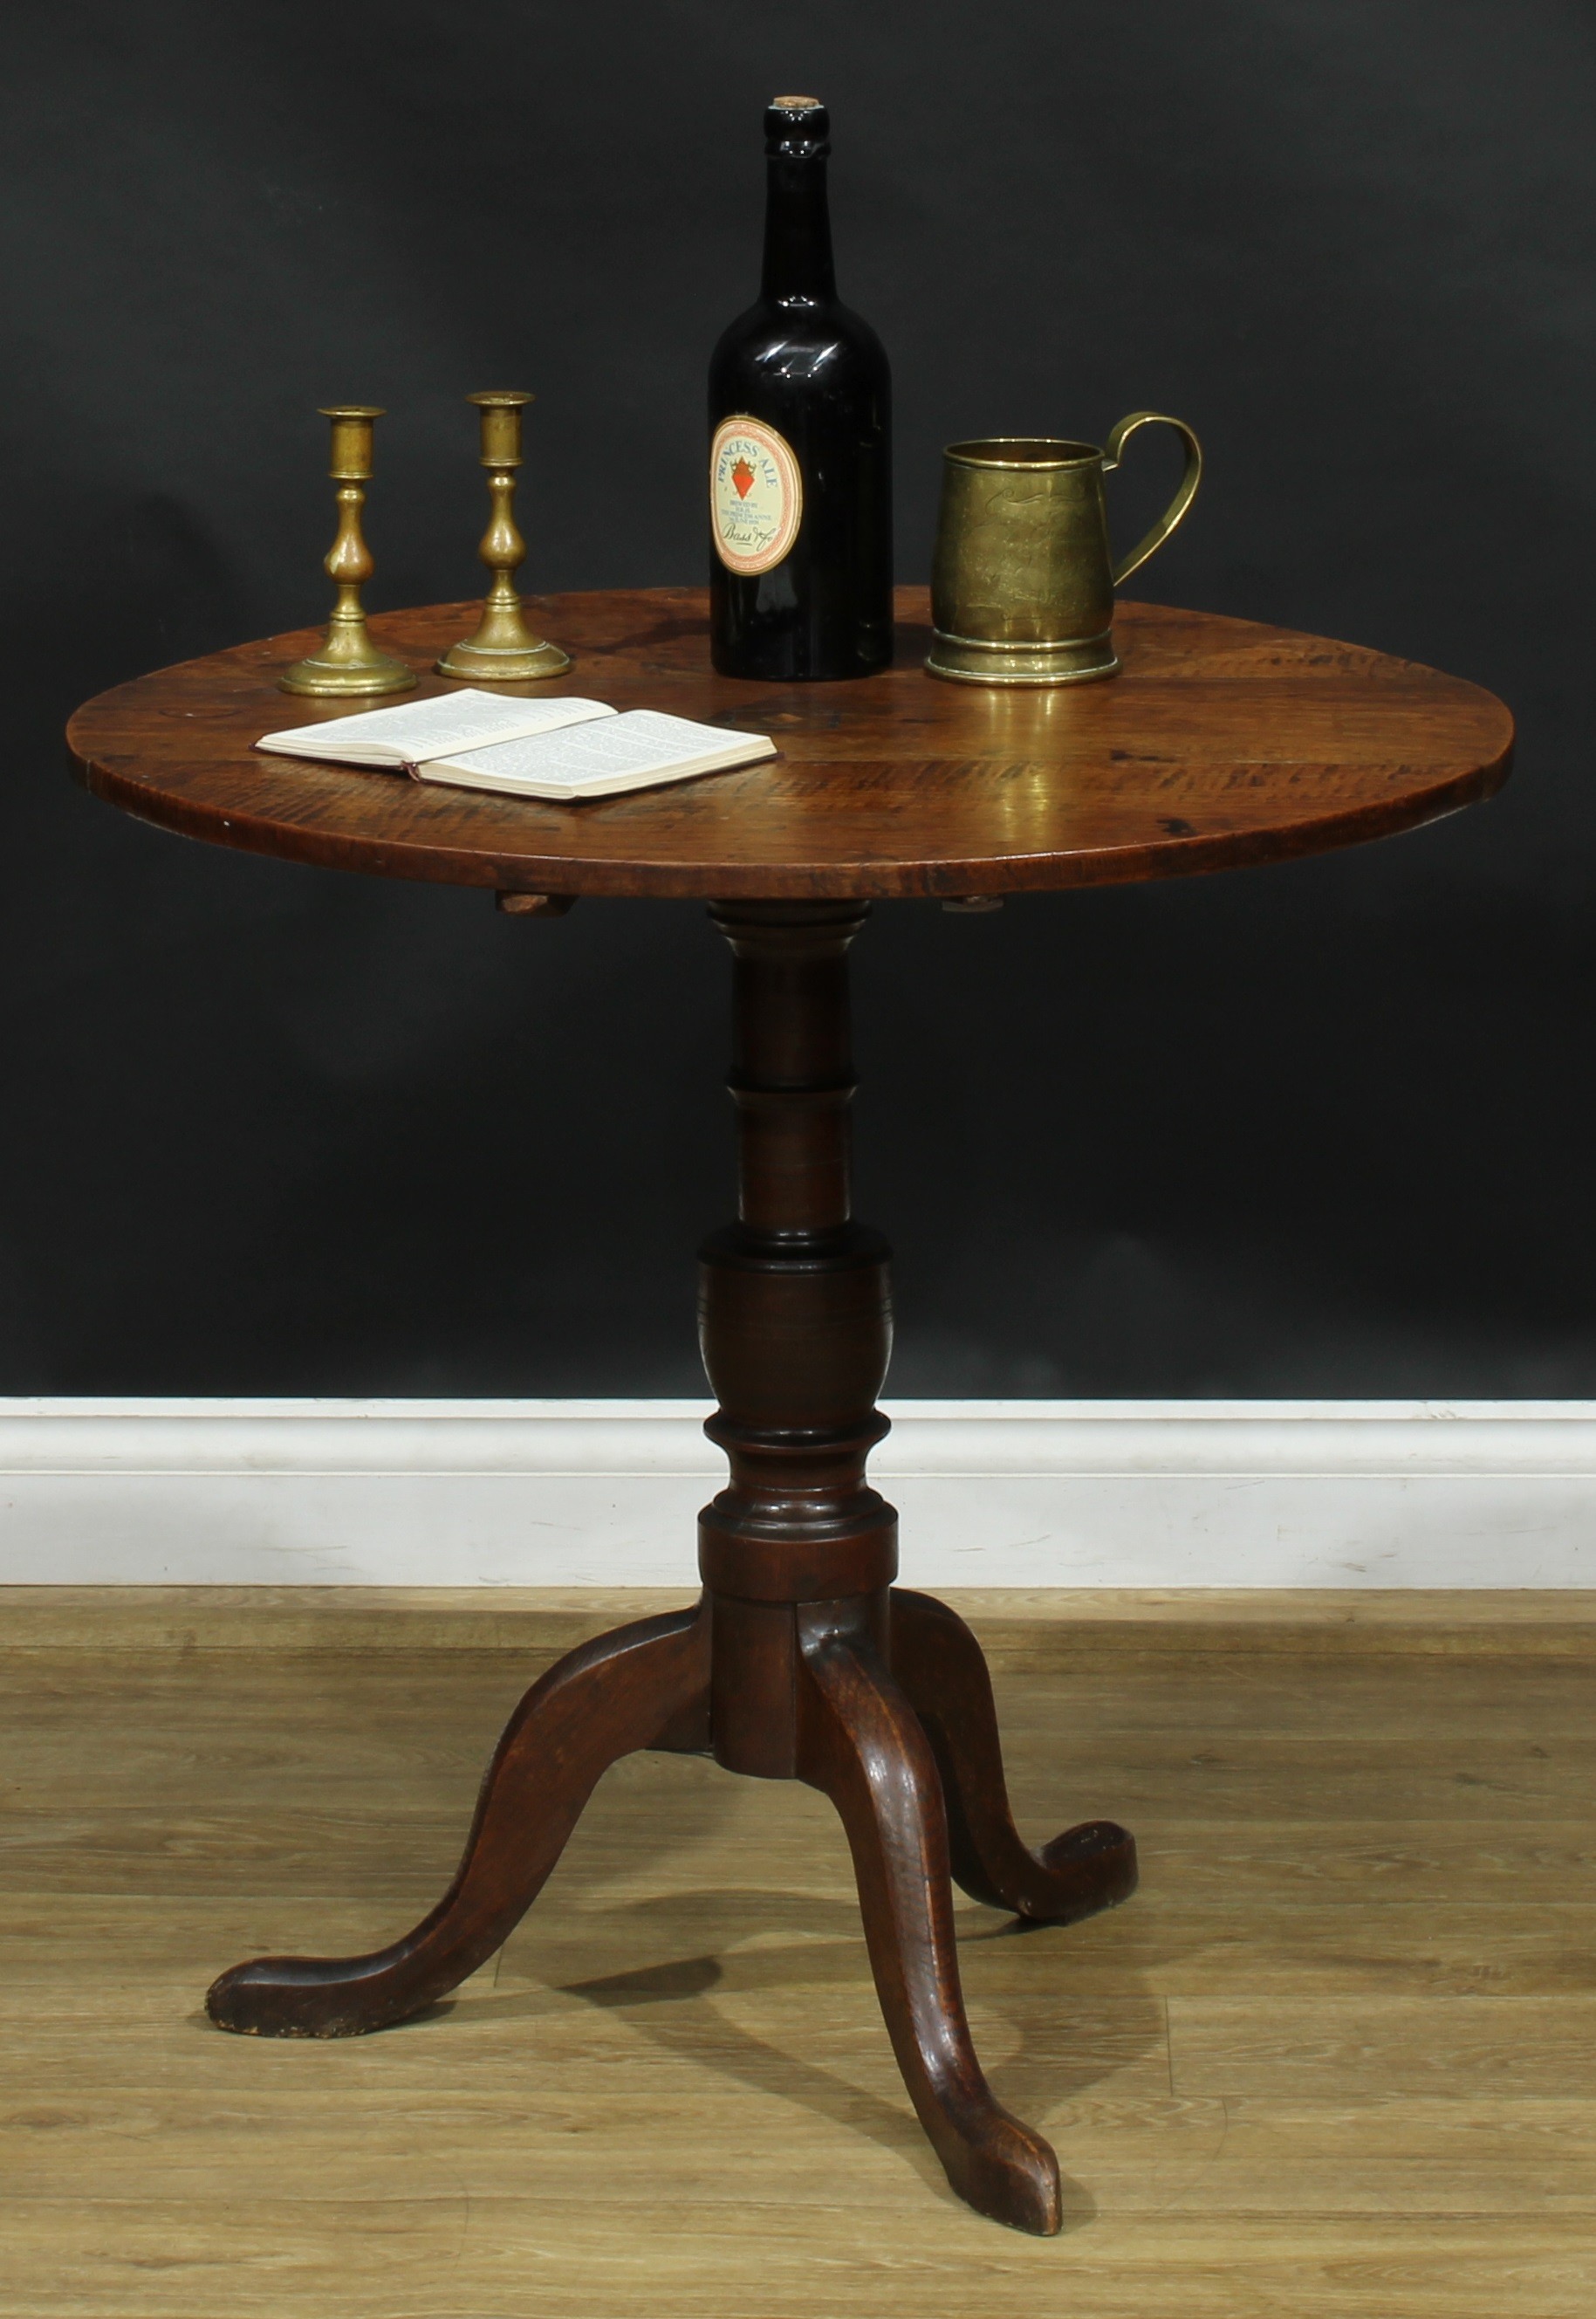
[861, 1743]
[941, 1666]
[645, 1685]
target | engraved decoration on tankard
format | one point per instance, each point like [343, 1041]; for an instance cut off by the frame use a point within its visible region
[1023, 579]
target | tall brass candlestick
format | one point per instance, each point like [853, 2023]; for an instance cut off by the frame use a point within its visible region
[503, 650]
[349, 663]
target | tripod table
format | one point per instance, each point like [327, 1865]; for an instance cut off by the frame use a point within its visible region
[1222, 743]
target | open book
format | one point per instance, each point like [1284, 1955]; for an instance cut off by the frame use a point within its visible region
[563, 749]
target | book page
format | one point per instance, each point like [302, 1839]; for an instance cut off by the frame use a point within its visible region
[617, 752]
[419, 730]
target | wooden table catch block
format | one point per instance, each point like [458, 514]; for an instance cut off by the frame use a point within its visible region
[1221, 742]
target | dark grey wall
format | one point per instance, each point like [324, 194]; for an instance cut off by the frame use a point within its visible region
[1322, 1129]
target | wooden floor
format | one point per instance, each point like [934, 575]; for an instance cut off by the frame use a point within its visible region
[1338, 2055]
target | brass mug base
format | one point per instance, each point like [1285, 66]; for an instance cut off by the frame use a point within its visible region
[486, 664]
[970, 660]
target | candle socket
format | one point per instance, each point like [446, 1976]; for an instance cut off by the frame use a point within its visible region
[503, 650]
[349, 663]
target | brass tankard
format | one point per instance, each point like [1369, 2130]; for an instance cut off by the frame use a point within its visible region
[1022, 581]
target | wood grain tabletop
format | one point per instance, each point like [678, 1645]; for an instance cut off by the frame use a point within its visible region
[1222, 743]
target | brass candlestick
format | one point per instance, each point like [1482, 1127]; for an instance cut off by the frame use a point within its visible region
[349, 663]
[503, 650]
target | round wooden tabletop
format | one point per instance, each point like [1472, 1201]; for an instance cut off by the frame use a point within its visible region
[1222, 741]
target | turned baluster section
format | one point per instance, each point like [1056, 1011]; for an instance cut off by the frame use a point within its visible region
[796, 1331]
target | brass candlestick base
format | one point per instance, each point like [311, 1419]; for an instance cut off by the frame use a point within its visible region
[503, 650]
[349, 664]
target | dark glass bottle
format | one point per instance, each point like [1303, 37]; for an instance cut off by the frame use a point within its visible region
[801, 467]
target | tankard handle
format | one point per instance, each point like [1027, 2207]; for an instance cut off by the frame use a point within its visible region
[1187, 492]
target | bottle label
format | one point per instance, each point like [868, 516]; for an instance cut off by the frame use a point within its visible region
[756, 494]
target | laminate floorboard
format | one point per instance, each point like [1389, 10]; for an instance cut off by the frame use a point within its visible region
[1336, 2058]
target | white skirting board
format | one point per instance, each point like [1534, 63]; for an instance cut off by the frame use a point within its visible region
[1027, 1493]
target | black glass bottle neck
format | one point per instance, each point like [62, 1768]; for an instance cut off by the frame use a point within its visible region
[798, 268]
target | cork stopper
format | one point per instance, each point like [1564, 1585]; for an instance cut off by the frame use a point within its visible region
[799, 127]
